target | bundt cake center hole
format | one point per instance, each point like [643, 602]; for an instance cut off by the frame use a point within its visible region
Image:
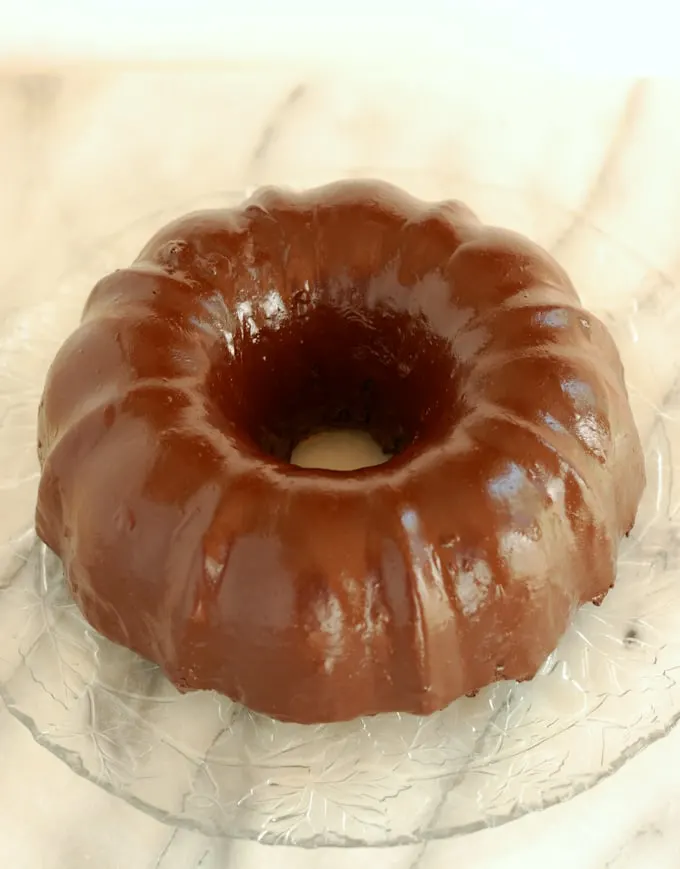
[337, 388]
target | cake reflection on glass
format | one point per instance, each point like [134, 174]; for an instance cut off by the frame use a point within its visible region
[499, 462]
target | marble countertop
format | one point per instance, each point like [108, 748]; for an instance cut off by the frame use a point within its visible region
[84, 152]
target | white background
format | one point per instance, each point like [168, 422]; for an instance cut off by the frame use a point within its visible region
[598, 36]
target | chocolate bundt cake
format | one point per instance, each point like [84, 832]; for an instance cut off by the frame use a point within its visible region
[169, 417]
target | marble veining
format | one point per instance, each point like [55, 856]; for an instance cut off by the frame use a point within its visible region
[83, 153]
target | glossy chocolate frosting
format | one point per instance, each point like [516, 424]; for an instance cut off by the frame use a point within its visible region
[169, 416]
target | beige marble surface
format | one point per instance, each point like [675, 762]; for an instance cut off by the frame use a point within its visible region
[83, 154]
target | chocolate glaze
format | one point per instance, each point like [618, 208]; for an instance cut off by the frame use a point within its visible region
[312, 595]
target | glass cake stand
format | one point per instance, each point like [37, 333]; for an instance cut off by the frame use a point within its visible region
[200, 761]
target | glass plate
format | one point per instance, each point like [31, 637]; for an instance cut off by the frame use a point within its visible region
[206, 763]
